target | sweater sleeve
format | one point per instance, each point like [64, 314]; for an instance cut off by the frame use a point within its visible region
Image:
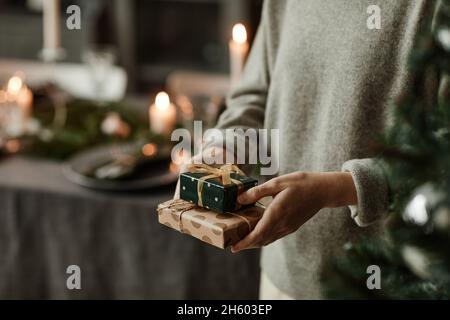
[371, 188]
[246, 102]
[371, 183]
[247, 99]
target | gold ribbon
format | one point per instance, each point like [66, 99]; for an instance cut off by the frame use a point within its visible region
[223, 173]
[181, 206]
[243, 218]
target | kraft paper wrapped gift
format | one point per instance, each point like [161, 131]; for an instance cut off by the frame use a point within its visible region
[214, 188]
[218, 229]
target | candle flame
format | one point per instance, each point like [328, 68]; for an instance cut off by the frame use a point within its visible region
[14, 85]
[149, 149]
[239, 33]
[162, 101]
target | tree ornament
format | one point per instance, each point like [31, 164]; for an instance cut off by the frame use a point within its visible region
[443, 38]
[417, 261]
[424, 200]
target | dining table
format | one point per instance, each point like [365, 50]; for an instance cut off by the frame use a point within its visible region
[48, 223]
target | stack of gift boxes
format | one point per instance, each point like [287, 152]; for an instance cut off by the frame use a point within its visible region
[208, 208]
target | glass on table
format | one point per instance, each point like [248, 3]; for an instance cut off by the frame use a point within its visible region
[100, 59]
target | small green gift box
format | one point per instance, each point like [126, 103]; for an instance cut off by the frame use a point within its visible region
[214, 188]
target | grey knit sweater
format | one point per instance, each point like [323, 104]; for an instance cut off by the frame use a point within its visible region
[326, 81]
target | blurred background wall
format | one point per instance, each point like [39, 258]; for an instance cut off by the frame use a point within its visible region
[151, 37]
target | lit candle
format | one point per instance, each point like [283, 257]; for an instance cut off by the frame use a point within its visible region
[25, 101]
[13, 88]
[19, 106]
[162, 114]
[238, 52]
[51, 29]
[19, 93]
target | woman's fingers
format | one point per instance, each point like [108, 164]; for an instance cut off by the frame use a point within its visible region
[248, 242]
[265, 229]
[271, 227]
[270, 188]
[254, 239]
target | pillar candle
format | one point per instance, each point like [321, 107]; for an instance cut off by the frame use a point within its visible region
[163, 115]
[51, 25]
[238, 52]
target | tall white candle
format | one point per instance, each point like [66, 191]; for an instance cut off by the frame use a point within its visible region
[162, 114]
[238, 52]
[51, 25]
[19, 106]
[25, 101]
[14, 86]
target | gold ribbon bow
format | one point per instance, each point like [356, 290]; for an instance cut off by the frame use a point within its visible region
[223, 173]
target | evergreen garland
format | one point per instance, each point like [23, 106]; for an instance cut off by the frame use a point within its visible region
[83, 129]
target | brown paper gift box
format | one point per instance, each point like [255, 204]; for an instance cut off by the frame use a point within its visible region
[219, 229]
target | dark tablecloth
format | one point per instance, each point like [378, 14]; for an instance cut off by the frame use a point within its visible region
[48, 223]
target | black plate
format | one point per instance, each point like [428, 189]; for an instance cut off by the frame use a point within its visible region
[156, 172]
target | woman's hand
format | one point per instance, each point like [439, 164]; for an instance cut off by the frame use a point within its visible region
[297, 198]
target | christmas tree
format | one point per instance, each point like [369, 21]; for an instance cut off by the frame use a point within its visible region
[414, 259]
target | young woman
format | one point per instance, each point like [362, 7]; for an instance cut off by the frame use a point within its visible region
[325, 77]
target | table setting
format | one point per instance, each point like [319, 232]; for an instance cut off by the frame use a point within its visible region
[83, 168]
[122, 139]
